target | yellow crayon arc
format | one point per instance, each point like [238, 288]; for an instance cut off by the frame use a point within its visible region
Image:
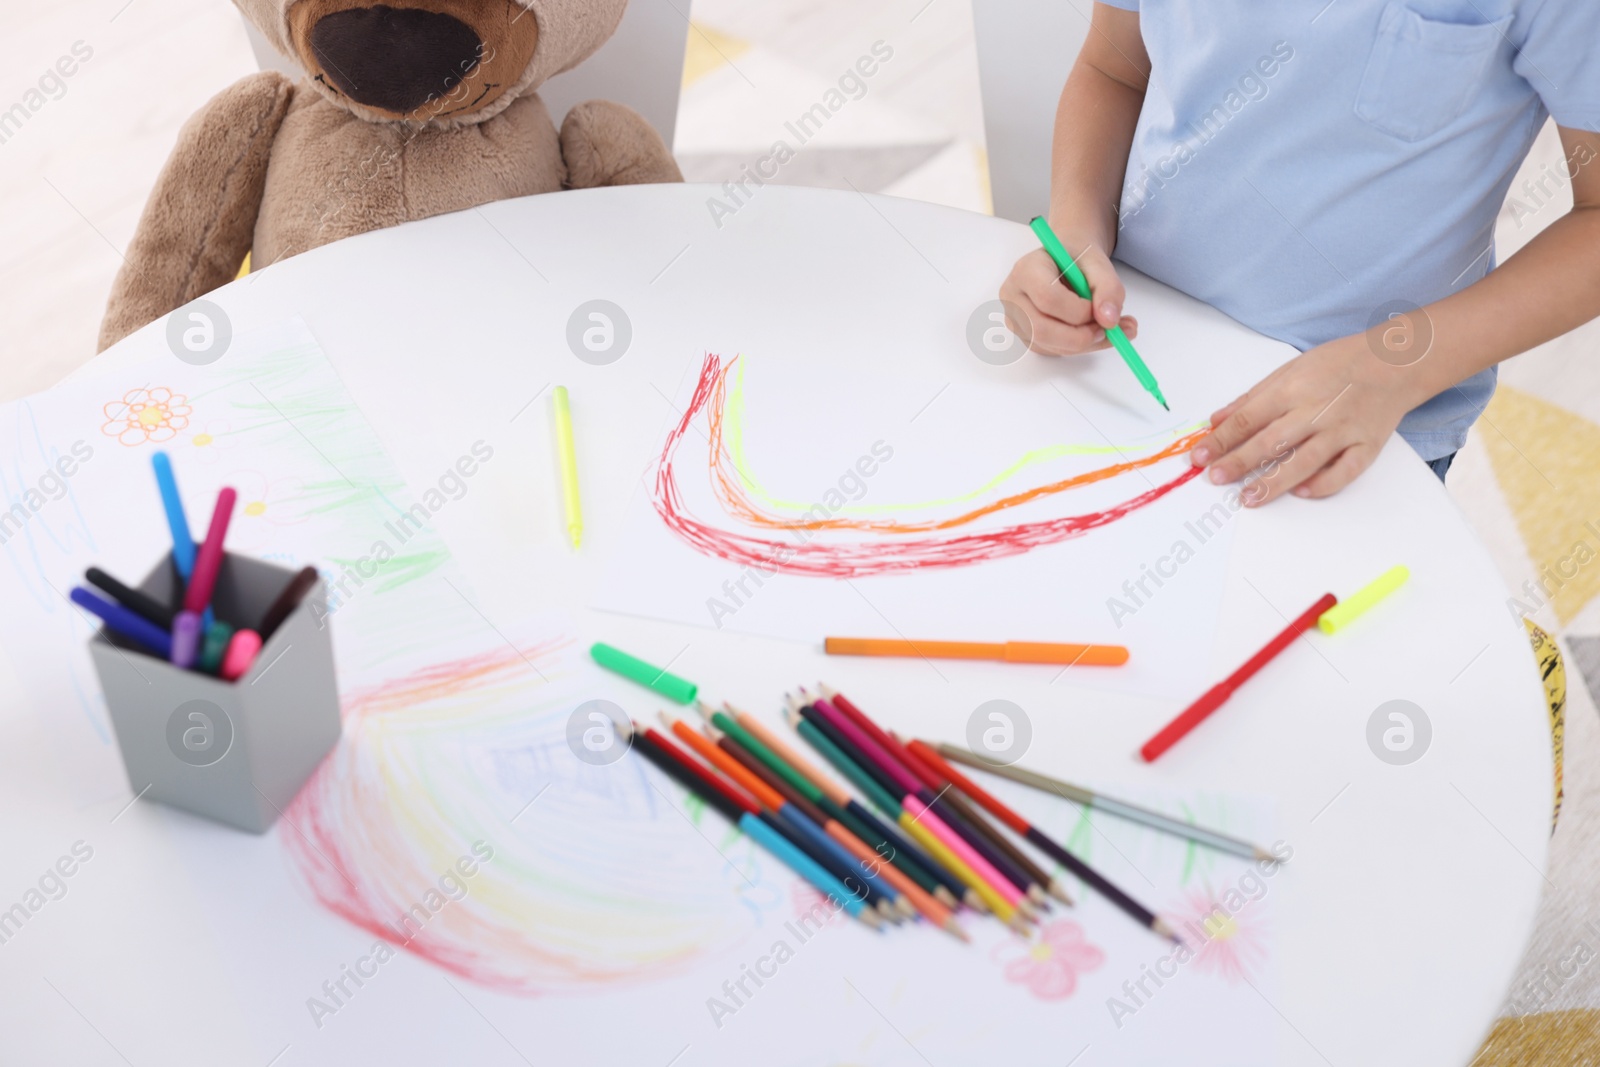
[1345, 611]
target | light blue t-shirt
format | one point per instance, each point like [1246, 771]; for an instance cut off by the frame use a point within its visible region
[1304, 164]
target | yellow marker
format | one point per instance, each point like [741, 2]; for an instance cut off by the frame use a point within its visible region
[568, 456]
[1343, 613]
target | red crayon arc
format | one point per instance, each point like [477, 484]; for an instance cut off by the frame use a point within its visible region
[729, 482]
[1213, 698]
[865, 558]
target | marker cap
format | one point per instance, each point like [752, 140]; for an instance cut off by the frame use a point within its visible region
[634, 669]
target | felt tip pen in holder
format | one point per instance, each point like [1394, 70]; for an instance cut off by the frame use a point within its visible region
[241, 653]
[183, 548]
[286, 602]
[124, 623]
[208, 560]
[1075, 279]
[634, 669]
[135, 600]
[185, 639]
[214, 646]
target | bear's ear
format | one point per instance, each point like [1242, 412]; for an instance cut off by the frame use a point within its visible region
[570, 31]
[271, 17]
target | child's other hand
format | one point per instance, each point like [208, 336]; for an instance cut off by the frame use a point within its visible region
[1059, 322]
[1310, 427]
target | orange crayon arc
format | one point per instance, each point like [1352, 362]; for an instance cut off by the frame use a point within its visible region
[728, 484]
[1060, 653]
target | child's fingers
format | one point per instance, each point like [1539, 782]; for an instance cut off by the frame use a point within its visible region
[1221, 414]
[1104, 285]
[1302, 462]
[1248, 417]
[1041, 281]
[1051, 337]
[1262, 452]
[1338, 474]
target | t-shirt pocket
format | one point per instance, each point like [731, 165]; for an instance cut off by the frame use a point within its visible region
[1423, 73]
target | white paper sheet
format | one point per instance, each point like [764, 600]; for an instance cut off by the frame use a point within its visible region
[606, 918]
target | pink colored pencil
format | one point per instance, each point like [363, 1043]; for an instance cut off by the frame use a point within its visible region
[967, 854]
[910, 786]
[209, 559]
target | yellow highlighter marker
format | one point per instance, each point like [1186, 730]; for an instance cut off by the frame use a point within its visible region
[568, 456]
[1343, 613]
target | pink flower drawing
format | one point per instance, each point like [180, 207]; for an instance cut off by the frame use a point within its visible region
[1230, 944]
[1050, 966]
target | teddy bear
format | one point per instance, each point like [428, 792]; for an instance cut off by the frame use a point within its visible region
[408, 108]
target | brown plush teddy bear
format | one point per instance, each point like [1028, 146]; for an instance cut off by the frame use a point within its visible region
[410, 108]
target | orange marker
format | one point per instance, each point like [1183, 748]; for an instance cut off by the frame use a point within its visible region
[1066, 655]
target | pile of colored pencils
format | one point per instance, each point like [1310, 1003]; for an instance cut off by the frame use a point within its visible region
[914, 844]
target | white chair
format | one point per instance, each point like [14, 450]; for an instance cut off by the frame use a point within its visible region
[641, 66]
[1025, 50]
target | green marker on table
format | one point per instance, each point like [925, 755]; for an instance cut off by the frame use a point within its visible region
[1080, 285]
[637, 670]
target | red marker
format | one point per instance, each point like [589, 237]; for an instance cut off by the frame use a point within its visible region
[1212, 699]
[209, 559]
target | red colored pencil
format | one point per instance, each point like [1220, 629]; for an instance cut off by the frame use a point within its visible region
[1212, 699]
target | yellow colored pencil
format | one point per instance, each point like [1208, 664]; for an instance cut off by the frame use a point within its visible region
[938, 850]
[567, 454]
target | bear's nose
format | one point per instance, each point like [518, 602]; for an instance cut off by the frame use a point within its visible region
[394, 59]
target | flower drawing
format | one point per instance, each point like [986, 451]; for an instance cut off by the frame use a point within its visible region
[1230, 943]
[1050, 966]
[146, 415]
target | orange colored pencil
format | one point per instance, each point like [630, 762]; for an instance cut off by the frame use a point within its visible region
[1006, 652]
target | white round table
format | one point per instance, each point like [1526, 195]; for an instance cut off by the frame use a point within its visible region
[1411, 889]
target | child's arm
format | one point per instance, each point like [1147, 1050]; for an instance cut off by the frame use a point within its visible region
[1337, 404]
[1094, 132]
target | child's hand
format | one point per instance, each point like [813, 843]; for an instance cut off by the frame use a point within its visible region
[1327, 412]
[1060, 322]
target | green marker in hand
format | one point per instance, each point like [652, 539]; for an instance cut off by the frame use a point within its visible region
[1080, 285]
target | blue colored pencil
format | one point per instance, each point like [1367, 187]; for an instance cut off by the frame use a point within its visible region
[808, 868]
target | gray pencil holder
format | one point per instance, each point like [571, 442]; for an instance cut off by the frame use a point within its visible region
[239, 751]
